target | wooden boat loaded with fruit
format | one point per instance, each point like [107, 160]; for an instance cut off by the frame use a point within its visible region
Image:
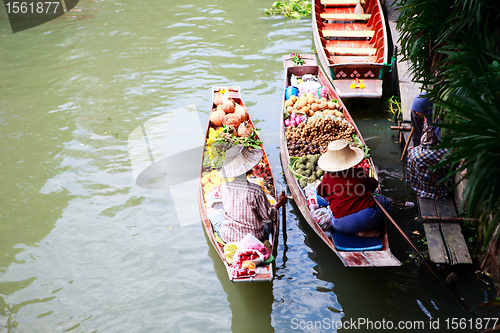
[229, 125]
[351, 45]
[309, 122]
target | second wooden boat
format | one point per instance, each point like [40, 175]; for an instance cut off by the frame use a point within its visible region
[210, 180]
[351, 47]
[338, 116]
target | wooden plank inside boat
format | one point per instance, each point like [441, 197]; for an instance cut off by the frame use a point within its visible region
[352, 50]
[347, 33]
[345, 16]
[355, 259]
[372, 89]
[341, 2]
[382, 258]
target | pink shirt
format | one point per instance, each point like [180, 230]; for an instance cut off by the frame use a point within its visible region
[245, 206]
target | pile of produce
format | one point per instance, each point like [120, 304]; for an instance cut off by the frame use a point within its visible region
[230, 126]
[310, 105]
[210, 181]
[314, 136]
[215, 149]
[306, 169]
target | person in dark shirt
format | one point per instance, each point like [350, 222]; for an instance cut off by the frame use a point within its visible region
[421, 116]
[348, 190]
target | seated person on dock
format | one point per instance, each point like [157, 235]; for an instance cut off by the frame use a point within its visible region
[421, 115]
[422, 179]
[245, 204]
[348, 190]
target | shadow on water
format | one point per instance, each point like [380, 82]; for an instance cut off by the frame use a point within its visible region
[250, 303]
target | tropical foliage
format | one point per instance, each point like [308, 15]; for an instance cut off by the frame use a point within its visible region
[454, 50]
[295, 9]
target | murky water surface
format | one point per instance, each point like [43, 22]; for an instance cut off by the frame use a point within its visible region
[84, 249]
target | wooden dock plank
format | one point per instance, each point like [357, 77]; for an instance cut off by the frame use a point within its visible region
[455, 244]
[347, 33]
[445, 208]
[435, 243]
[427, 207]
[345, 16]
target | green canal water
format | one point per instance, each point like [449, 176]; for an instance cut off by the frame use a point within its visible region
[84, 248]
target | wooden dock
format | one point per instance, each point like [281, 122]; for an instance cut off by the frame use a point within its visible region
[443, 231]
[445, 240]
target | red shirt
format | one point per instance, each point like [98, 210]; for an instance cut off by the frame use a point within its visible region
[348, 191]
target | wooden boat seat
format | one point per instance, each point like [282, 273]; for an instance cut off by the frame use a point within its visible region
[343, 25]
[341, 2]
[352, 59]
[348, 50]
[345, 16]
[348, 33]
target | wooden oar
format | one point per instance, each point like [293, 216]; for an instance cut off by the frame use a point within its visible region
[283, 220]
[460, 301]
[407, 143]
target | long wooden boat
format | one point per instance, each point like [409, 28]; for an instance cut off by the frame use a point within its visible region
[351, 46]
[382, 257]
[263, 272]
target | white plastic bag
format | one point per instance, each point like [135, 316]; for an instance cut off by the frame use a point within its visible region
[323, 216]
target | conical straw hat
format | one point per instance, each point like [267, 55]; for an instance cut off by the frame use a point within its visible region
[340, 156]
[239, 160]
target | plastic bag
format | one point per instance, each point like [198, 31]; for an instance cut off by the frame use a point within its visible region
[311, 196]
[323, 216]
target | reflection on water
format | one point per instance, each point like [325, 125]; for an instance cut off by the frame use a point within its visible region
[84, 248]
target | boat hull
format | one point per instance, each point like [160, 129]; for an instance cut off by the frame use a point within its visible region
[263, 273]
[350, 49]
[380, 258]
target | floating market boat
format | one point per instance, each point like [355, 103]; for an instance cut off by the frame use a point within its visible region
[223, 132]
[351, 47]
[322, 119]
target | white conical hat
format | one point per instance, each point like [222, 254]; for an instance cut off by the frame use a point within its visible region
[239, 160]
[340, 156]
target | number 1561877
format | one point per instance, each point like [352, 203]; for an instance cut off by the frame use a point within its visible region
[35, 7]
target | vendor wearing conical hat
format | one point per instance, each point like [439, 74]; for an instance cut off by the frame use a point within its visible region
[245, 204]
[348, 190]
